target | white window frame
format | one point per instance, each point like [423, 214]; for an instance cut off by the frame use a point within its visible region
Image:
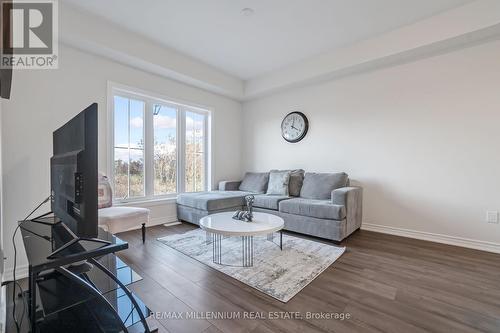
[115, 89]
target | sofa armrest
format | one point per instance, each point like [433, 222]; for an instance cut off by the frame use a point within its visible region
[352, 199]
[341, 195]
[227, 185]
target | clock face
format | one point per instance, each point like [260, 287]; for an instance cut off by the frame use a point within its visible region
[294, 127]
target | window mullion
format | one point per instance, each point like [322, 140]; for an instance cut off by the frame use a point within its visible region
[149, 149]
[128, 150]
[209, 153]
[205, 154]
[181, 150]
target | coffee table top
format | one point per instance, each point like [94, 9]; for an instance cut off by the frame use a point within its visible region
[224, 224]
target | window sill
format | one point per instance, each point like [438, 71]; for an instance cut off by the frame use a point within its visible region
[146, 202]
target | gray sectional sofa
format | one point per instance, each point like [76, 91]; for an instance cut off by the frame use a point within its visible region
[316, 204]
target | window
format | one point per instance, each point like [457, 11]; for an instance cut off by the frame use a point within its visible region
[165, 149]
[129, 148]
[159, 148]
[195, 151]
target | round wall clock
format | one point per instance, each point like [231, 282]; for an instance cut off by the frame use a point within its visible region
[294, 126]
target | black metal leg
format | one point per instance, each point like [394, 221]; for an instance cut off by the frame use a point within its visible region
[143, 232]
[28, 293]
[281, 240]
[126, 290]
[103, 300]
[32, 299]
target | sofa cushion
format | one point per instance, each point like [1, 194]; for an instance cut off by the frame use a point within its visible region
[320, 185]
[295, 182]
[268, 201]
[255, 182]
[213, 200]
[321, 209]
[278, 183]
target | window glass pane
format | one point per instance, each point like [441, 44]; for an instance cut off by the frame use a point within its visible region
[136, 173]
[165, 149]
[129, 177]
[121, 122]
[121, 173]
[195, 152]
[136, 124]
[137, 180]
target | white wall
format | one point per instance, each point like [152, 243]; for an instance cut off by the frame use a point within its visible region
[3, 291]
[44, 100]
[422, 138]
[98, 36]
[466, 24]
[1, 198]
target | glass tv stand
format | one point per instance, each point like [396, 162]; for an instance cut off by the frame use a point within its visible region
[79, 284]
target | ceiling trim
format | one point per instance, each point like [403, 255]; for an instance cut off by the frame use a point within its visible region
[450, 45]
[94, 35]
[465, 26]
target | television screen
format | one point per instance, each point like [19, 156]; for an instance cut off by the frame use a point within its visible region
[74, 173]
[5, 29]
[5, 83]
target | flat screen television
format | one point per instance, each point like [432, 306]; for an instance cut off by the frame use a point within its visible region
[5, 29]
[5, 83]
[73, 173]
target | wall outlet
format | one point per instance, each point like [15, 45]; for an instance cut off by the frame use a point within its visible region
[492, 217]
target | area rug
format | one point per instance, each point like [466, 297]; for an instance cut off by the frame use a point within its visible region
[279, 274]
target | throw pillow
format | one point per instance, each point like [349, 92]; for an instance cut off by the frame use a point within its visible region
[104, 194]
[278, 183]
[295, 183]
[320, 185]
[255, 182]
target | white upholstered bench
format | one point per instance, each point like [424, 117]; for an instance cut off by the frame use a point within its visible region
[115, 219]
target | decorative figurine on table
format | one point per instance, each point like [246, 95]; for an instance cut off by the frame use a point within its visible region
[245, 215]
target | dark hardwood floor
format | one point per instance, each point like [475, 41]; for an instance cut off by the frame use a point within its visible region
[386, 284]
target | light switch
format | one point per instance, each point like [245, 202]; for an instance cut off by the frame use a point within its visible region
[492, 217]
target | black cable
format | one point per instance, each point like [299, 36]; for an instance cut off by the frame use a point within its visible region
[40, 205]
[21, 293]
[24, 304]
[15, 263]
[14, 278]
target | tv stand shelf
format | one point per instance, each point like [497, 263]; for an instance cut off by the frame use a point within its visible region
[84, 287]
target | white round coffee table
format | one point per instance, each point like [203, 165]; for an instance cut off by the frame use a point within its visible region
[222, 224]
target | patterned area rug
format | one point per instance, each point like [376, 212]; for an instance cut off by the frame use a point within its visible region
[279, 274]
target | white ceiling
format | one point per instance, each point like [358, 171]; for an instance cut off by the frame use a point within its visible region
[280, 33]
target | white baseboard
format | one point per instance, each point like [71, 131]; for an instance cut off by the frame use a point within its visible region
[21, 273]
[170, 224]
[438, 238]
[161, 220]
[156, 221]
